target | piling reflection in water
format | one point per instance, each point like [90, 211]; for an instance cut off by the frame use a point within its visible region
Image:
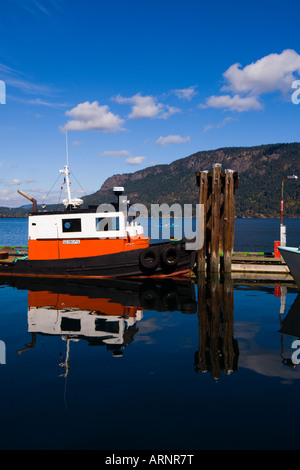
[218, 350]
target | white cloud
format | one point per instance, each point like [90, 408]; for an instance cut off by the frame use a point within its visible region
[186, 93]
[76, 143]
[219, 125]
[16, 79]
[90, 116]
[7, 70]
[135, 160]
[274, 72]
[115, 153]
[38, 102]
[233, 103]
[14, 182]
[270, 74]
[5, 195]
[131, 160]
[169, 111]
[37, 7]
[11, 198]
[172, 139]
[41, 7]
[146, 107]
[28, 87]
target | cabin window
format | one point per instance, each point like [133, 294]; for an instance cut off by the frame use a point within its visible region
[70, 324]
[104, 224]
[107, 326]
[71, 225]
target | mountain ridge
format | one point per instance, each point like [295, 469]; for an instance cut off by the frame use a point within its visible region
[261, 169]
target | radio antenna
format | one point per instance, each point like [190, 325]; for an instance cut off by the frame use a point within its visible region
[67, 151]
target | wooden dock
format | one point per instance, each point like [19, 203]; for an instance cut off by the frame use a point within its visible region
[260, 267]
[254, 267]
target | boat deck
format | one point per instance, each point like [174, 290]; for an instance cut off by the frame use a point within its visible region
[13, 253]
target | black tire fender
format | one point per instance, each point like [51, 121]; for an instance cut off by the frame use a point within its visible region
[149, 299]
[170, 256]
[149, 259]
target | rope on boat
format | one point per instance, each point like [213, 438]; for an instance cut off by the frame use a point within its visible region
[21, 255]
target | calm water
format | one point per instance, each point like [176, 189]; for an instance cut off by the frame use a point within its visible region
[148, 366]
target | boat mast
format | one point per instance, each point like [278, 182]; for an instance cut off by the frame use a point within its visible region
[67, 172]
[69, 202]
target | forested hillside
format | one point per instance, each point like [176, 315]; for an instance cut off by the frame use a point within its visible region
[261, 170]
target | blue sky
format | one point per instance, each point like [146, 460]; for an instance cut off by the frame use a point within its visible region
[136, 83]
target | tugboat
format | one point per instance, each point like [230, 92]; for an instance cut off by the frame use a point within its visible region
[88, 243]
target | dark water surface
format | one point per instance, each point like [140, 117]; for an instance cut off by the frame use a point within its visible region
[139, 366]
[150, 365]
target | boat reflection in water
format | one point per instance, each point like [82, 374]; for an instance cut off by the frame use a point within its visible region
[112, 313]
[104, 313]
[107, 313]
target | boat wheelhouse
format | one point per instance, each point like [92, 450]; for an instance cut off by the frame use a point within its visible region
[79, 233]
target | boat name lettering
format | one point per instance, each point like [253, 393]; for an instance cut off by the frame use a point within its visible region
[71, 242]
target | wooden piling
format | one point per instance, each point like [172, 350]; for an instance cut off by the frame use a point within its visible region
[207, 233]
[222, 207]
[215, 218]
[203, 202]
[216, 194]
[229, 213]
